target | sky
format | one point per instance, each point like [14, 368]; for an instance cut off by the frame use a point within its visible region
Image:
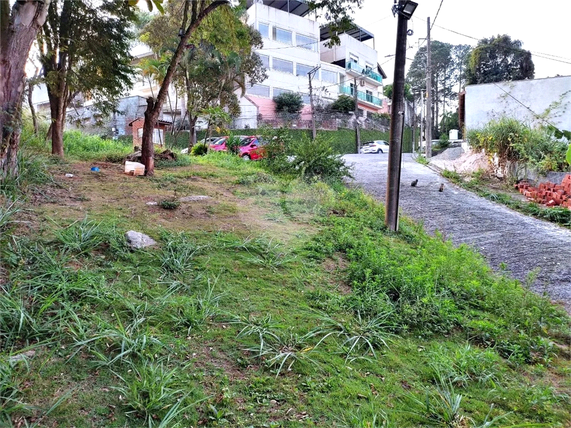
[543, 27]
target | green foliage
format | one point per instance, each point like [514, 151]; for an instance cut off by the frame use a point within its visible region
[434, 289]
[499, 59]
[513, 141]
[306, 159]
[91, 147]
[85, 48]
[388, 91]
[199, 149]
[343, 104]
[151, 391]
[169, 204]
[289, 103]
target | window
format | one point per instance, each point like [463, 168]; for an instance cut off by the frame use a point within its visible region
[281, 35]
[302, 69]
[370, 96]
[352, 86]
[264, 29]
[306, 42]
[282, 65]
[354, 58]
[265, 60]
[260, 90]
[279, 91]
[329, 76]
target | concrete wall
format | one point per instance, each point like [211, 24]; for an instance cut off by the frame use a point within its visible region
[550, 97]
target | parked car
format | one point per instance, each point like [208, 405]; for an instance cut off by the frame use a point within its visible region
[209, 142]
[252, 148]
[377, 146]
[218, 145]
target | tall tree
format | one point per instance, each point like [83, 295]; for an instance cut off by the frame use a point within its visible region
[215, 63]
[84, 49]
[191, 16]
[19, 25]
[442, 76]
[499, 59]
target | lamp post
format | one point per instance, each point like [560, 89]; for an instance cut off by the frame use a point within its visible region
[404, 9]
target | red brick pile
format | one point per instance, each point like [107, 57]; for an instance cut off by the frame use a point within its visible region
[548, 194]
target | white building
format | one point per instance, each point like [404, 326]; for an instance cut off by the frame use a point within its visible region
[294, 44]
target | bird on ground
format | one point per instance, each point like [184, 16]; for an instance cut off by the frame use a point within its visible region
[441, 187]
[414, 183]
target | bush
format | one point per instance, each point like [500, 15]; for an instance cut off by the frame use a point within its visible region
[305, 158]
[513, 141]
[199, 149]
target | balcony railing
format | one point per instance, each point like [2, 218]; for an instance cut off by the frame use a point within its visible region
[367, 72]
[363, 96]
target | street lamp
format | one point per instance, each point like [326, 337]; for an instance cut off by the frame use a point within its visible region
[404, 9]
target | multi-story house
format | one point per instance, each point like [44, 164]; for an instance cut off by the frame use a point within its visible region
[294, 44]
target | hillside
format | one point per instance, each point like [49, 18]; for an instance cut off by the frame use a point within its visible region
[267, 302]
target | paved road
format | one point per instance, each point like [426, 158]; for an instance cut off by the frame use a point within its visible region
[498, 233]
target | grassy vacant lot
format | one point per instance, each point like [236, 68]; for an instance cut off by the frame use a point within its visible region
[272, 303]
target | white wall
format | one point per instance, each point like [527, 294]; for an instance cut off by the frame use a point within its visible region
[275, 49]
[550, 97]
[349, 45]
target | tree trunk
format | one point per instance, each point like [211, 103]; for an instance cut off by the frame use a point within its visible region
[192, 133]
[154, 106]
[18, 29]
[147, 148]
[57, 111]
[32, 109]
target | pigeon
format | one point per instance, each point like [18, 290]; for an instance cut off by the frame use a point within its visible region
[414, 183]
[441, 187]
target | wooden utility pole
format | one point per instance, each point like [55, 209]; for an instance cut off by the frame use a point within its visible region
[357, 130]
[310, 74]
[428, 92]
[397, 126]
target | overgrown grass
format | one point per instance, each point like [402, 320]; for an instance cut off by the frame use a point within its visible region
[327, 319]
[90, 147]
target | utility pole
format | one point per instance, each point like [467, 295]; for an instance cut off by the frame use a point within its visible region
[356, 112]
[310, 74]
[397, 120]
[428, 92]
[421, 118]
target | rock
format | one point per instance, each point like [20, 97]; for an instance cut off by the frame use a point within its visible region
[22, 356]
[138, 240]
[152, 203]
[193, 198]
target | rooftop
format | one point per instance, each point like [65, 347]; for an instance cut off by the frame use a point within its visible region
[295, 7]
[356, 32]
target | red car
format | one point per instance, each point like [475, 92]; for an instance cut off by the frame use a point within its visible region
[219, 145]
[252, 148]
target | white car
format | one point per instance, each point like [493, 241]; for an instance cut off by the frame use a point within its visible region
[377, 146]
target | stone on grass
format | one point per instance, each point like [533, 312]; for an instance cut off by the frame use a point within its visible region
[193, 198]
[138, 240]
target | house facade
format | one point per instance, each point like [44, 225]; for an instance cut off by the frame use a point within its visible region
[295, 44]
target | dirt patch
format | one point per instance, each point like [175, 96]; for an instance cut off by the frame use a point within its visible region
[465, 163]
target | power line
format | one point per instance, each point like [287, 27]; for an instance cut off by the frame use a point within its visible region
[437, 12]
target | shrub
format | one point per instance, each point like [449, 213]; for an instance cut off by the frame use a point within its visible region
[289, 103]
[307, 159]
[199, 149]
[513, 141]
